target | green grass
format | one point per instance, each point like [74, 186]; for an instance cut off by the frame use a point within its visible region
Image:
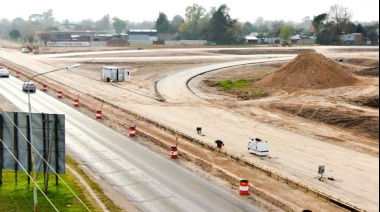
[18, 196]
[242, 88]
[227, 85]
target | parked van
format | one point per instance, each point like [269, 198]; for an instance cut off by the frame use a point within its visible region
[258, 146]
[114, 74]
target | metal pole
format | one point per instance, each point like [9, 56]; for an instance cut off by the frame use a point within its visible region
[31, 133]
[32, 149]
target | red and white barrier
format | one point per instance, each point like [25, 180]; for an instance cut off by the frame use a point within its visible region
[173, 152]
[244, 187]
[76, 102]
[59, 94]
[99, 114]
[44, 88]
[17, 74]
[132, 131]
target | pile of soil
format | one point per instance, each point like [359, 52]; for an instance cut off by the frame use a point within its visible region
[311, 71]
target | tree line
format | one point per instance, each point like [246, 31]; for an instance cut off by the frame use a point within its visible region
[216, 26]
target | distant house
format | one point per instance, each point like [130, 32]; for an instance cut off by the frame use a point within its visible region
[295, 39]
[251, 38]
[142, 36]
[353, 39]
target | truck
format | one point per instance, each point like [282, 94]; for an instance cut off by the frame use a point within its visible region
[115, 74]
[258, 146]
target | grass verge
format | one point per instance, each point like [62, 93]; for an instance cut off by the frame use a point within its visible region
[70, 195]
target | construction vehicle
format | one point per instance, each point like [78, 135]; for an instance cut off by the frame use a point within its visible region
[258, 146]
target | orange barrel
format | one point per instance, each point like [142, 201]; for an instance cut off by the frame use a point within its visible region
[17, 74]
[173, 152]
[59, 94]
[76, 102]
[244, 187]
[44, 87]
[99, 114]
[132, 131]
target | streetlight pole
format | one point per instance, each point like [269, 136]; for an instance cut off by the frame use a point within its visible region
[70, 67]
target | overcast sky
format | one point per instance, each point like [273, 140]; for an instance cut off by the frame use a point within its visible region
[143, 10]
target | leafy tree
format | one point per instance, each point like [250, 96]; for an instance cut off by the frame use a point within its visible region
[162, 23]
[248, 28]
[349, 28]
[176, 23]
[372, 33]
[119, 25]
[36, 17]
[276, 29]
[45, 36]
[195, 13]
[104, 23]
[286, 32]
[196, 23]
[15, 34]
[28, 32]
[324, 38]
[221, 26]
[319, 22]
[48, 16]
[360, 29]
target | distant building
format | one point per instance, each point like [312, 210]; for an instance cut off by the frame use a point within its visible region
[251, 38]
[142, 36]
[353, 39]
[80, 38]
[295, 39]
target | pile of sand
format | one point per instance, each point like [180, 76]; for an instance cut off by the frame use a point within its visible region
[309, 70]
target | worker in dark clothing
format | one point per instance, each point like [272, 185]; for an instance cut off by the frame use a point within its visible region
[199, 130]
[219, 144]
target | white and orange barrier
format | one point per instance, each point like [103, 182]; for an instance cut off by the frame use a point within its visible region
[244, 187]
[173, 152]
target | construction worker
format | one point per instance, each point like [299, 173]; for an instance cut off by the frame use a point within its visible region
[219, 144]
[199, 130]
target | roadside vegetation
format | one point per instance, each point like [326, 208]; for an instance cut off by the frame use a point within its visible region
[241, 88]
[18, 196]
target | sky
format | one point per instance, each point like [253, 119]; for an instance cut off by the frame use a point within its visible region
[148, 10]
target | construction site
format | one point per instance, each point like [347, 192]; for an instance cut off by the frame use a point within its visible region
[320, 107]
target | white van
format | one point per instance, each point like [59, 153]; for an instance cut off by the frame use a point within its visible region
[258, 146]
[4, 72]
[114, 74]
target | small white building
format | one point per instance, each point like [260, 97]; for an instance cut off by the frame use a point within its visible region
[251, 38]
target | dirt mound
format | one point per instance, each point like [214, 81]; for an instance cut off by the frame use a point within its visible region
[309, 70]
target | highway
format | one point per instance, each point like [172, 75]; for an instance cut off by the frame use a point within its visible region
[151, 182]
